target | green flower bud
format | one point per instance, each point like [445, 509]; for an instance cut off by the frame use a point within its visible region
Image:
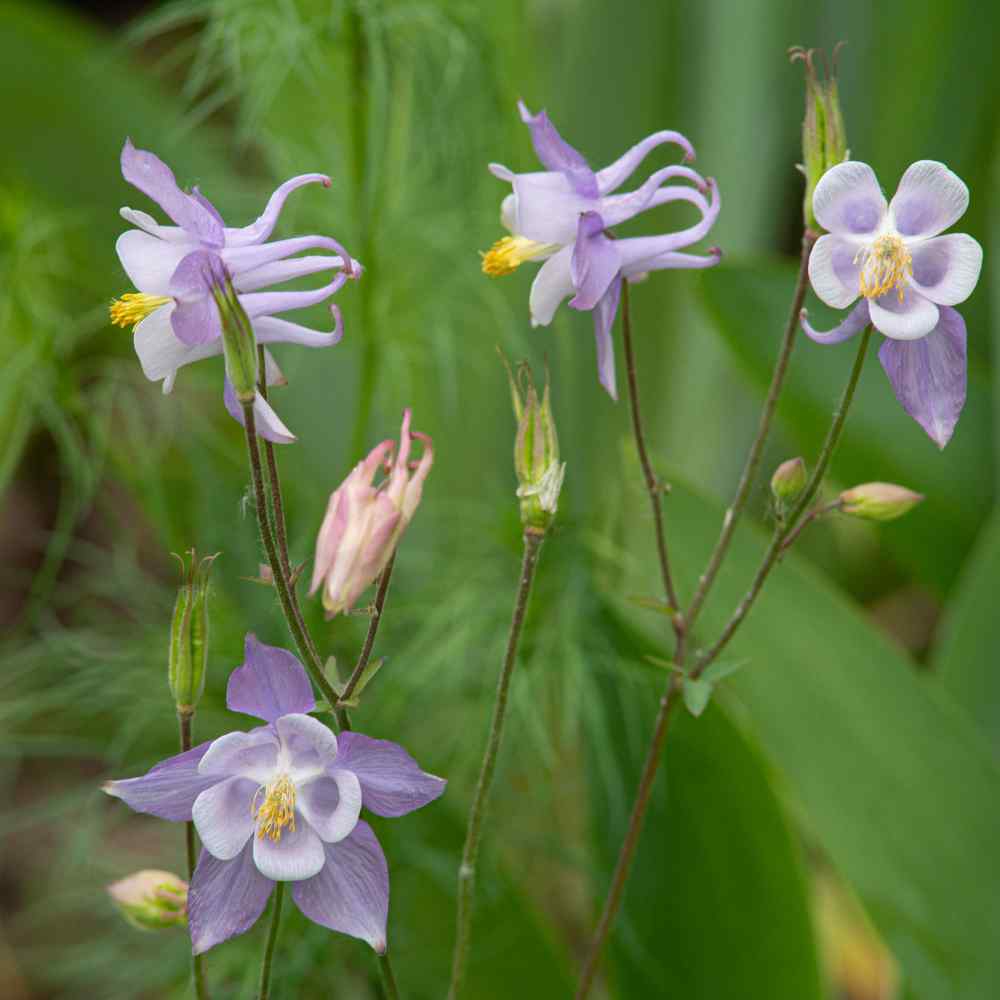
[239, 342]
[151, 900]
[878, 501]
[189, 634]
[789, 480]
[824, 142]
[536, 450]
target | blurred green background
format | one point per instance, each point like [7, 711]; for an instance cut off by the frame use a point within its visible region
[855, 758]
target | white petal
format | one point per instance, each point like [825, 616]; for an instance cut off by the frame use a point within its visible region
[910, 319]
[160, 352]
[251, 755]
[332, 804]
[150, 262]
[145, 221]
[297, 855]
[308, 744]
[223, 817]
[929, 199]
[832, 271]
[946, 268]
[848, 200]
[548, 210]
[508, 212]
[552, 284]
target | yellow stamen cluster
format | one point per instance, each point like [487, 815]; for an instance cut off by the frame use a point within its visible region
[885, 265]
[277, 811]
[510, 253]
[133, 307]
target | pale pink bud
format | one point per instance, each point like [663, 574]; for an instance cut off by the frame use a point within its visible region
[151, 900]
[364, 521]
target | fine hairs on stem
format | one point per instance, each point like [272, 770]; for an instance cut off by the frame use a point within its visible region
[185, 720]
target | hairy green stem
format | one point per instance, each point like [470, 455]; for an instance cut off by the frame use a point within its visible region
[467, 869]
[184, 720]
[272, 937]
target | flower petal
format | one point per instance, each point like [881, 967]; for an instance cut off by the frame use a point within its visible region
[848, 200]
[270, 682]
[144, 221]
[910, 319]
[392, 782]
[351, 893]
[613, 176]
[929, 375]
[225, 899]
[855, 321]
[251, 755]
[268, 303]
[832, 271]
[223, 816]
[169, 789]
[619, 208]
[946, 268]
[557, 154]
[149, 262]
[552, 284]
[332, 805]
[268, 424]
[604, 319]
[594, 263]
[297, 855]
[929, 199]
[285, 270]
[239, 260]
[311, 745]
[546, 208]
[259, 230]
[160, 352]
[195, 319]
[274, 330]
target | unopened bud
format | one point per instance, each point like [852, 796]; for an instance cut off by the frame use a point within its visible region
[239, 343]
[151, 900]
[789, 480]
[536, 450]
[824, 143]
[189, 634]
[878, 501]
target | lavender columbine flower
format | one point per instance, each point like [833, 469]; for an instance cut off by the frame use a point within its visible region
[908, 278]
[562, 215]
[172, 313]
[281, 803]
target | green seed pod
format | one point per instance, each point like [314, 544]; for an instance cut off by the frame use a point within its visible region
[189, 634]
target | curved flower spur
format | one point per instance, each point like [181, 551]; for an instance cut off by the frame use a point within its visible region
[908, 278]
[562, 216]
[282, 803]
[172, 313]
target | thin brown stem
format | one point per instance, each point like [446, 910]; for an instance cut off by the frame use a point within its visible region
[756, 453]
[814, 515]
[184, 720]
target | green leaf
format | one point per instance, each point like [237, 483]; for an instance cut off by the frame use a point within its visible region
[696, 694]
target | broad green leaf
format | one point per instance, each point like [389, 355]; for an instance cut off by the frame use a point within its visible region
[696, 694]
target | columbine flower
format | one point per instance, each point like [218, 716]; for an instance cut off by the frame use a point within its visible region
[562, 215]
[173, 313]
[364, 522]
[908, 278]
[281, 803]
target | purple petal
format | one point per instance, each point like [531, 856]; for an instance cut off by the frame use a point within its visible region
[270, 683]
[169, 789]
[195, 319]
[268, 424]
[685, 261]
[552, 284]
[297, 855]
[274, 330]
[149, 262]
[557, 154]
[910, 319]
[594, 263]
[619, 208]
[242, 259]
[223, 817]
[392, 783]
[604, 320]
[251, 755]
[853, 323]
[929, 199]
[225, 899]
[848, 200]
[285, 270]
[351, 893]
[832, 271]
[269, 303]
[545, 208]
[332, 806]
[929, 375]
[154, 178]
[946, 268]
[613, 176]
[160, 352]
[259, 231]
[309, 744]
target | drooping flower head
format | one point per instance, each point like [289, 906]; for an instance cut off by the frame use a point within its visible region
[364, 521]
[281, 803]
[173, 314]
[562, 216]
[907, 276]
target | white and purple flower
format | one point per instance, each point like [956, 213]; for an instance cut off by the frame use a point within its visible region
[282, 803]
[907, 276]
[561, 216]
[172, 313]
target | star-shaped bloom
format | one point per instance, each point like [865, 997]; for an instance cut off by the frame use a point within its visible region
[562, 216]
[173, 313]
[282, 803]
[908, 278]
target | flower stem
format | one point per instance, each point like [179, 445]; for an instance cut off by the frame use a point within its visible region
[272, 937]
[274, 481]
[289, 606]
[366, 649]
[388, 977]
[752, 465]
[784, 531]
[814, 515]
[184, 720]
[467, 869]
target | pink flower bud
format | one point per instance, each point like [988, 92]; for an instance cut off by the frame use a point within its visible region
[879, 501]
[364, 521]
[151, 900]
